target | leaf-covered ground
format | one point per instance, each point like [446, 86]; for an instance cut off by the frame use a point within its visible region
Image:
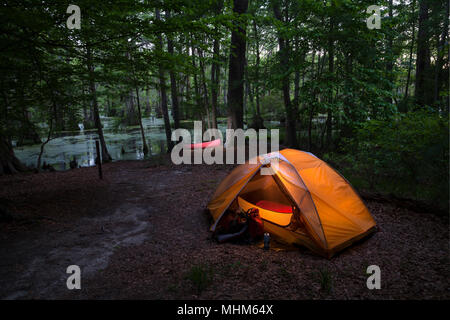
[142, 233]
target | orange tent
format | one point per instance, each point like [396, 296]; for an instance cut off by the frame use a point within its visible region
[326, 214]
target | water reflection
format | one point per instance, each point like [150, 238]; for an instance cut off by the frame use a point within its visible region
[123, 144]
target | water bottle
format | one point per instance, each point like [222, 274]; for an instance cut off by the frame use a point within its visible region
[266, 241]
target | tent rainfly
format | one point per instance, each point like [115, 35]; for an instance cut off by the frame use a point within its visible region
[303, 202]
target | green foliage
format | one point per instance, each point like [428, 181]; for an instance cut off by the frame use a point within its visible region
[200, 276]
[272, 107]
[407, 155]
[346, 82]
[325, 280]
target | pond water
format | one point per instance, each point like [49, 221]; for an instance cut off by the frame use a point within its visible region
[123, 144]
[81, 145]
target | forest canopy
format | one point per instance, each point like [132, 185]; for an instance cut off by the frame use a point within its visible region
[372, 101]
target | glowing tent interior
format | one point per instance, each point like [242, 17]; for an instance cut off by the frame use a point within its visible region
[303, 202]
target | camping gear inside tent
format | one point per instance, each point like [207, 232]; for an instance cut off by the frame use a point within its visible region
[303, 202]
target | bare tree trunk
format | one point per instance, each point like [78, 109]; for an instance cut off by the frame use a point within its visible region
[291, 113]
[236, 68]
[408, 77]
[173, 83]
[196, 86]
[105, 155]
[390, 40]
[215, 71]
[258, 59]
[423, 55]
[441, 41]
[311, 106]
[187, 95]
[158, 110]
[329, 123]
[130, 115]
[346, 128]
[248, 94]
[296, 101]
[49, 136]
[225, 90]
[148, 108]
[41, 152]
[9, 163]
[144, 142]
[204, 88]
[162, 83]
[310, 119]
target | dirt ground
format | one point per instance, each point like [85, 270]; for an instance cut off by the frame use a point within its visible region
[142, 233]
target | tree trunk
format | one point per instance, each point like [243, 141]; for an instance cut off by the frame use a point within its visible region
[41, 152]
[297, 73]
[196, 85]
[423, 55]
[28, 133]
[291, 113]
[236, 68]
[411, 49]
[162, 83]
[441, 41]
[215, 71]
[88, 115]
[173, 83]
[158, 110]
[204, 87]
[390, 40]
[225, 89]
[329, 123]
[130, 115]
[248, 93]
[346, 128]
[187, 96]
[311, 106]
[144, 142]
[148, 108]
[258, 60]
[9, 164]
[105, 155]
[311, 115]
[49, 136]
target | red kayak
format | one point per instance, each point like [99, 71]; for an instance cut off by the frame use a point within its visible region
[203, 145]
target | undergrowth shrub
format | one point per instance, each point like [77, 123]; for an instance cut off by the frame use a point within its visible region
[407, 156]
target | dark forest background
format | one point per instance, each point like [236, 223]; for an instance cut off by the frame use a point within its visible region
[372, 102]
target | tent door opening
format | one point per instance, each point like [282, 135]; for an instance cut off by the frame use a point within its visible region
[264, 192]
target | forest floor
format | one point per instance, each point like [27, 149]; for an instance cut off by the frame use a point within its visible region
[142, 233]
